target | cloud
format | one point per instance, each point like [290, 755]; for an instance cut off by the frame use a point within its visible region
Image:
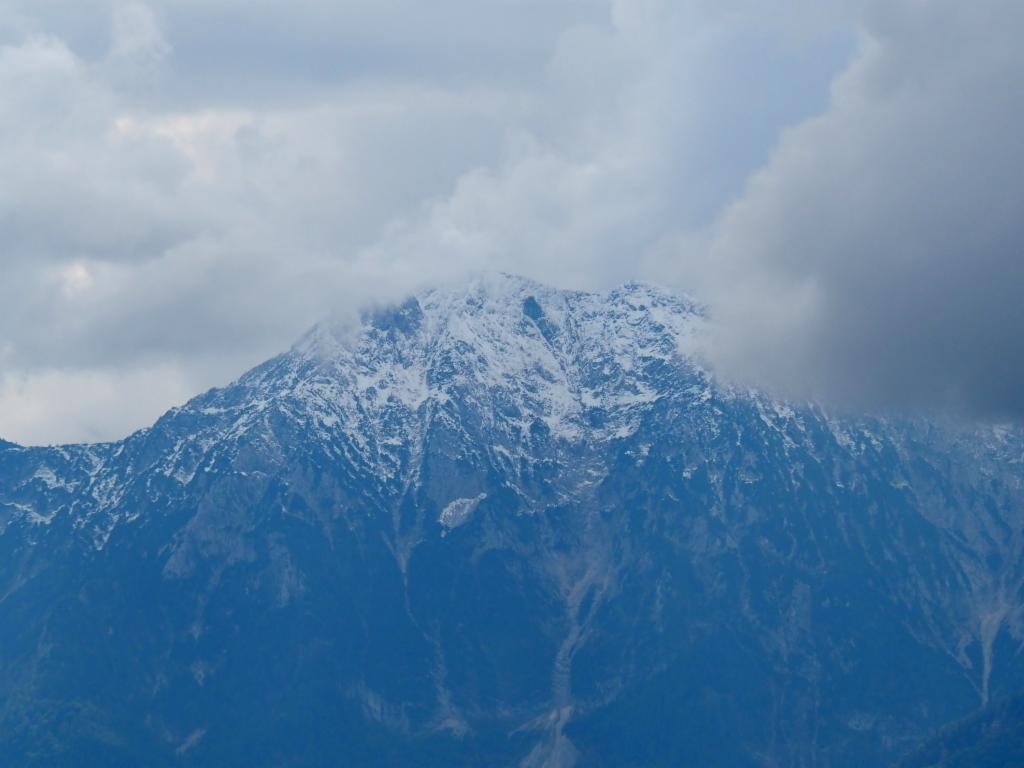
[878, 259]
[189, 185]
[184, 229]
[37, 406]
[646, 127]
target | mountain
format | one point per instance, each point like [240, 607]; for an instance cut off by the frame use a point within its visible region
[502, 524]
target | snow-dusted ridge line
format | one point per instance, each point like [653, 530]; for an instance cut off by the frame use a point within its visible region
[531, 362]
[363, 391]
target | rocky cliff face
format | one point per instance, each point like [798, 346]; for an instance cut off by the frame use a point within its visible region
[508, 525]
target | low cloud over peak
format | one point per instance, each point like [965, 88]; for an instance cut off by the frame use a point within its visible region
[188, 186]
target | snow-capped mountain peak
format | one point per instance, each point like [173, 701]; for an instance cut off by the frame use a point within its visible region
[497, 350]
[509, 513]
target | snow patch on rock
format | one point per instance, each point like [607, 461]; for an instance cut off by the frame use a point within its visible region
[459, 511]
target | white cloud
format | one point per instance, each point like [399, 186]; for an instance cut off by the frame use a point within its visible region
[189, 185]
[53, 407]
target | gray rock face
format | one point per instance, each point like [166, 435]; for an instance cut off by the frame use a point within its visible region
[508, 525]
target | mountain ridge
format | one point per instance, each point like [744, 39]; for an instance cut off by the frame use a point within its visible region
[502, 522]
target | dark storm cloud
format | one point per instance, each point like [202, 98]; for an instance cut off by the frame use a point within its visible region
[878, 258]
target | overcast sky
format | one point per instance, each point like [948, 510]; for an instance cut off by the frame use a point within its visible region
[186, 185]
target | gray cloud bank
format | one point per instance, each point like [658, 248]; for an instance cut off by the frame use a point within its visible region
[188, 185]
[878, 258]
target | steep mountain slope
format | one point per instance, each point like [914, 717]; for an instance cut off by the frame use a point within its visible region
[505, 524]
[991, 738]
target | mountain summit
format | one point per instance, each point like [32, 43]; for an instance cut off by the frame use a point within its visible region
[505, 524]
